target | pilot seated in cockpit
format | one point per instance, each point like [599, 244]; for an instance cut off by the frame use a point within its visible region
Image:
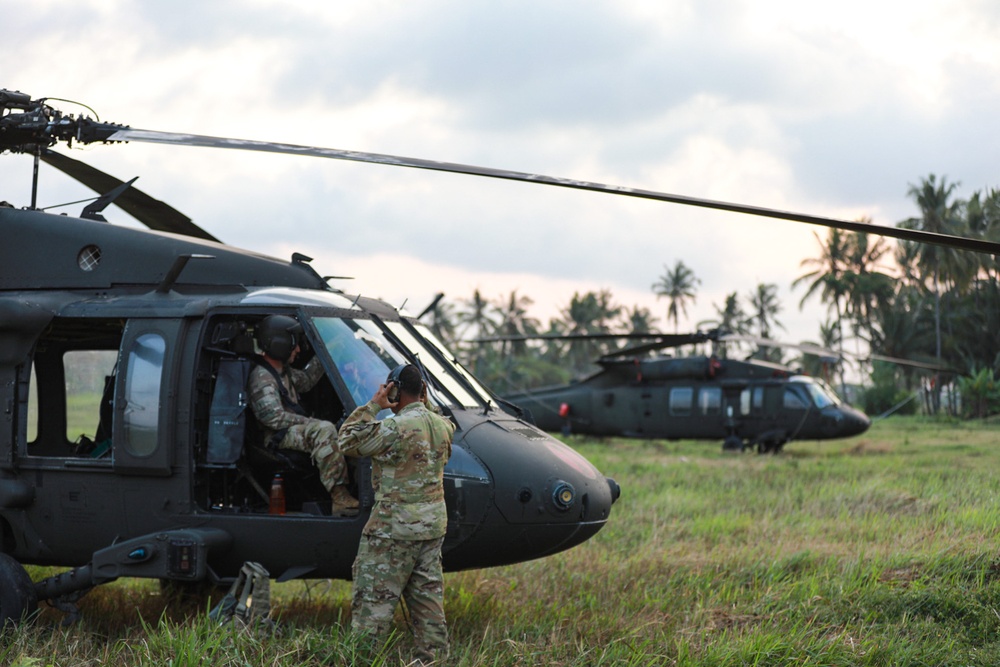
[274, 387]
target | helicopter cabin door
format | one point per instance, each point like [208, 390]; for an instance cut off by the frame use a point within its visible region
[762, 405]
[145, 397]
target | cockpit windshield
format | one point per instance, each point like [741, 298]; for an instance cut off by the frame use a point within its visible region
[430, 353]
[360, 352]
[821, 394]
[452, 362]
[364, 355]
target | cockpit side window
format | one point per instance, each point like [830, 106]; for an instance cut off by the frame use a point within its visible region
[821, 397]
[793, 401]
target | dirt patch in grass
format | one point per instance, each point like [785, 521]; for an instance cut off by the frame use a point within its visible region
[869, 447]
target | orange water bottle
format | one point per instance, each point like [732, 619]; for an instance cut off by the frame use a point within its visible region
[277, 495]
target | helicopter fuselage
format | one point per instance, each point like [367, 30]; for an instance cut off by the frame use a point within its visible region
[743, 403]
[128, 448]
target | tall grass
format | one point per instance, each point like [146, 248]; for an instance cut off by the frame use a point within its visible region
[877, 550]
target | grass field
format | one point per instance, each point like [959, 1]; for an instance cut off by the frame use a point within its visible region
[878, 550]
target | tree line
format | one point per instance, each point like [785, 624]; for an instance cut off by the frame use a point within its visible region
[888, 298]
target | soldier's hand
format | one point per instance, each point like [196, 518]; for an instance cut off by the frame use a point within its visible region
[381, 397]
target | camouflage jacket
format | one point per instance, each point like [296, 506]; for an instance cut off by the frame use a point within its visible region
[409, 451]
[265, 397]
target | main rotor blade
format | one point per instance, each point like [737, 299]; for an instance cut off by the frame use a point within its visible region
[152, 212]
[807, 348]
[667, 340]
[825, 353]
[910, 362]
[660, 341]
[919, 236]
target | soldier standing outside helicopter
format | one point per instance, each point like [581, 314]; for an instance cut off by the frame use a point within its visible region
[400, 550]
[274, 387]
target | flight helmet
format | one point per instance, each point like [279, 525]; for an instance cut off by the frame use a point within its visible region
[277, 336]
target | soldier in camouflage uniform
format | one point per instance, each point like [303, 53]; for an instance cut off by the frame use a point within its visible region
[400, 550]
[284, 422]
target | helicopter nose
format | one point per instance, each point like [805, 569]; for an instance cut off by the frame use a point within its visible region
[855, 422]
[616, 490]
[545, 497]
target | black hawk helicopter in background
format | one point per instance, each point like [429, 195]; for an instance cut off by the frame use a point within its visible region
[167, 487]
[743, 403]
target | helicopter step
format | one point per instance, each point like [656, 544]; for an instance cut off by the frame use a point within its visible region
[180, 555]
[175, 555]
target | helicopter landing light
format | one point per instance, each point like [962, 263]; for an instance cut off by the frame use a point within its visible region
[141, 554]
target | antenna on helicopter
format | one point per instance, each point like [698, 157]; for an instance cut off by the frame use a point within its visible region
[431, 306]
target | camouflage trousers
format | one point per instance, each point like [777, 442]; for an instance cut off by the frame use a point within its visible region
[387, 569]
[319, 438]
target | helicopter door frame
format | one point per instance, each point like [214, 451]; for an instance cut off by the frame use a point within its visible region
[142, 431]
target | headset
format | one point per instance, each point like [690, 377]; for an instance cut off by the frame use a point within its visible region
[393, 381]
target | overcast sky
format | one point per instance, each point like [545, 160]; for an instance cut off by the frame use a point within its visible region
[832, 111]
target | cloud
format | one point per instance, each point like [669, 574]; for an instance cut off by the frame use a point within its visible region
[829, 110]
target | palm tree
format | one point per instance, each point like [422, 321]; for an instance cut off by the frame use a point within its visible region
[514, 321]
[829, 338]
[678, 285]
[478, 317]
[765, 306]
[939, 214]
[638, 320]
[983, 220]
[730, 318]
[828, 276]
[904, 329]
[867, 288]
[591, 313]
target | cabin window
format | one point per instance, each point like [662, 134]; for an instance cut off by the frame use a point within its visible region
[710, 400]
[87, 372]
[32, 422]
[142, 394]
[681, 399]
[67, 412]
[745, 402]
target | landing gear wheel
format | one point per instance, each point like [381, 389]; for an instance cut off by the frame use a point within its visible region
[18, 600]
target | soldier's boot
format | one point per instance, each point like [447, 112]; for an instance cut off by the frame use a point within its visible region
[343, 502]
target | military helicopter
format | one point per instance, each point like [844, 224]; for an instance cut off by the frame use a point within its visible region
[166, 482]
[744, 403]
[168, 487]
